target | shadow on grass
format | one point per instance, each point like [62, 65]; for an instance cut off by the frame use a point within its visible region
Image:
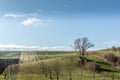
[106, 70]
[100, 62]
[103, 63]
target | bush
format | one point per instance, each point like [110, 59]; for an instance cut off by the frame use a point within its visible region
[111, 58]
[94, 67]
[118, 61]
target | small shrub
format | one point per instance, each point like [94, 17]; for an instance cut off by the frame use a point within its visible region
[111, 58]
[94, 67]
[118, 61]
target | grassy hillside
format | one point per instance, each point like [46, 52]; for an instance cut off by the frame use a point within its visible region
[32, 64]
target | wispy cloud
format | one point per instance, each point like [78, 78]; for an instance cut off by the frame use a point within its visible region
[17, 15]
[30, 18]
[12, 46]
[112, 43]
[31, 21]
[45, 48]
[13, 15]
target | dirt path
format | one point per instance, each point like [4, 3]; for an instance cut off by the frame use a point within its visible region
[27, 57]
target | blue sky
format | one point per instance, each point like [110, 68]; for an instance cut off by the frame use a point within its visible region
[49, 23]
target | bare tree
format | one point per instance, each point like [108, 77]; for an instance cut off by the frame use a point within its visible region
[70, 67]
[114, 48]
[46, 70]
[57, 68]
[42, 64]
[81, 45]
[50, 70]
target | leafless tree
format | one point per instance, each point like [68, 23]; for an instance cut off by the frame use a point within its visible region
[46, 70]
[114, 48]
[57, 68]
[70, 65]
[42, 65]
[81, 45]
[50, 70]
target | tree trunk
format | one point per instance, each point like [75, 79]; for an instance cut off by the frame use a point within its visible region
[43, 70]
[51, 78]
[82, 60]
[113, 76]
[70, 76]
[57, 76]
[83, 54]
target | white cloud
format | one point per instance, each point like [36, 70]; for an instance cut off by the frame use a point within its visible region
[17, 15]
[112, 43]
[31, 21]
[13, 15]
[30, 18]
[45, 48]
[11, 46]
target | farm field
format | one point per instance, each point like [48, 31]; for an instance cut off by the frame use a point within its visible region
[32, 64]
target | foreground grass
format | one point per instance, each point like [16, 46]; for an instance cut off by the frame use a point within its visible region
[32, 71]
[28, 72]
